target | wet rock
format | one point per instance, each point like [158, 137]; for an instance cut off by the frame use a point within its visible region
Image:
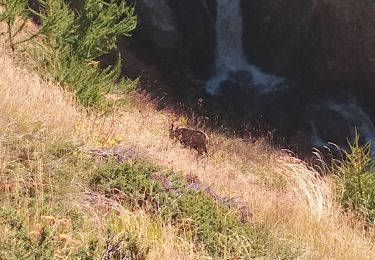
[328, 125]
[237, 91]
[241, 76]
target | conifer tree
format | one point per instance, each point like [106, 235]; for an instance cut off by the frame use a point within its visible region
[72, 41]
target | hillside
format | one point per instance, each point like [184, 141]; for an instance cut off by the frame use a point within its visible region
[50, 208]
[88, 169]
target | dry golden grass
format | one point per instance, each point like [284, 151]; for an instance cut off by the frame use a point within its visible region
[33, 105]
[36, 114]
[160, 237]
[282, 193]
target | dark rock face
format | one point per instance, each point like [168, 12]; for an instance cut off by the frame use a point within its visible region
[325, 41]
[157, 26]
[180, 33]
[196, 20]
[272, 31]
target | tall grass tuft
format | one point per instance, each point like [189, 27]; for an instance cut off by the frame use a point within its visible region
[309, 188]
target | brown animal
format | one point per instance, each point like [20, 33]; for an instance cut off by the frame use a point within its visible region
[191, 138]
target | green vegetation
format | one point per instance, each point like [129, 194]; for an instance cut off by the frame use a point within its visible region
[195, 213]
[356, 180]
[36, 221]
[58, 201]
[40, 222]
[37, 218]
[50, 240]
[76, 40]
[44, 242]
[72, 42]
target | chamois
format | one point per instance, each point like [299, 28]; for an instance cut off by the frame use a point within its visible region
[191, 138]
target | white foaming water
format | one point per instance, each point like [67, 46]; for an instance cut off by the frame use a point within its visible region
[357, 118]
[229, 50]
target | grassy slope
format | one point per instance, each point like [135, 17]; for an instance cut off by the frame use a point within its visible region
[44, 179]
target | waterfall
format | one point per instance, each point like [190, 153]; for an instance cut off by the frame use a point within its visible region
[229, 50]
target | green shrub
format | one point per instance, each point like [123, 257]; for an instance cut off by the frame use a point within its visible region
[356, 180]
[74, 41]
[71, 43]
[196, 214]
